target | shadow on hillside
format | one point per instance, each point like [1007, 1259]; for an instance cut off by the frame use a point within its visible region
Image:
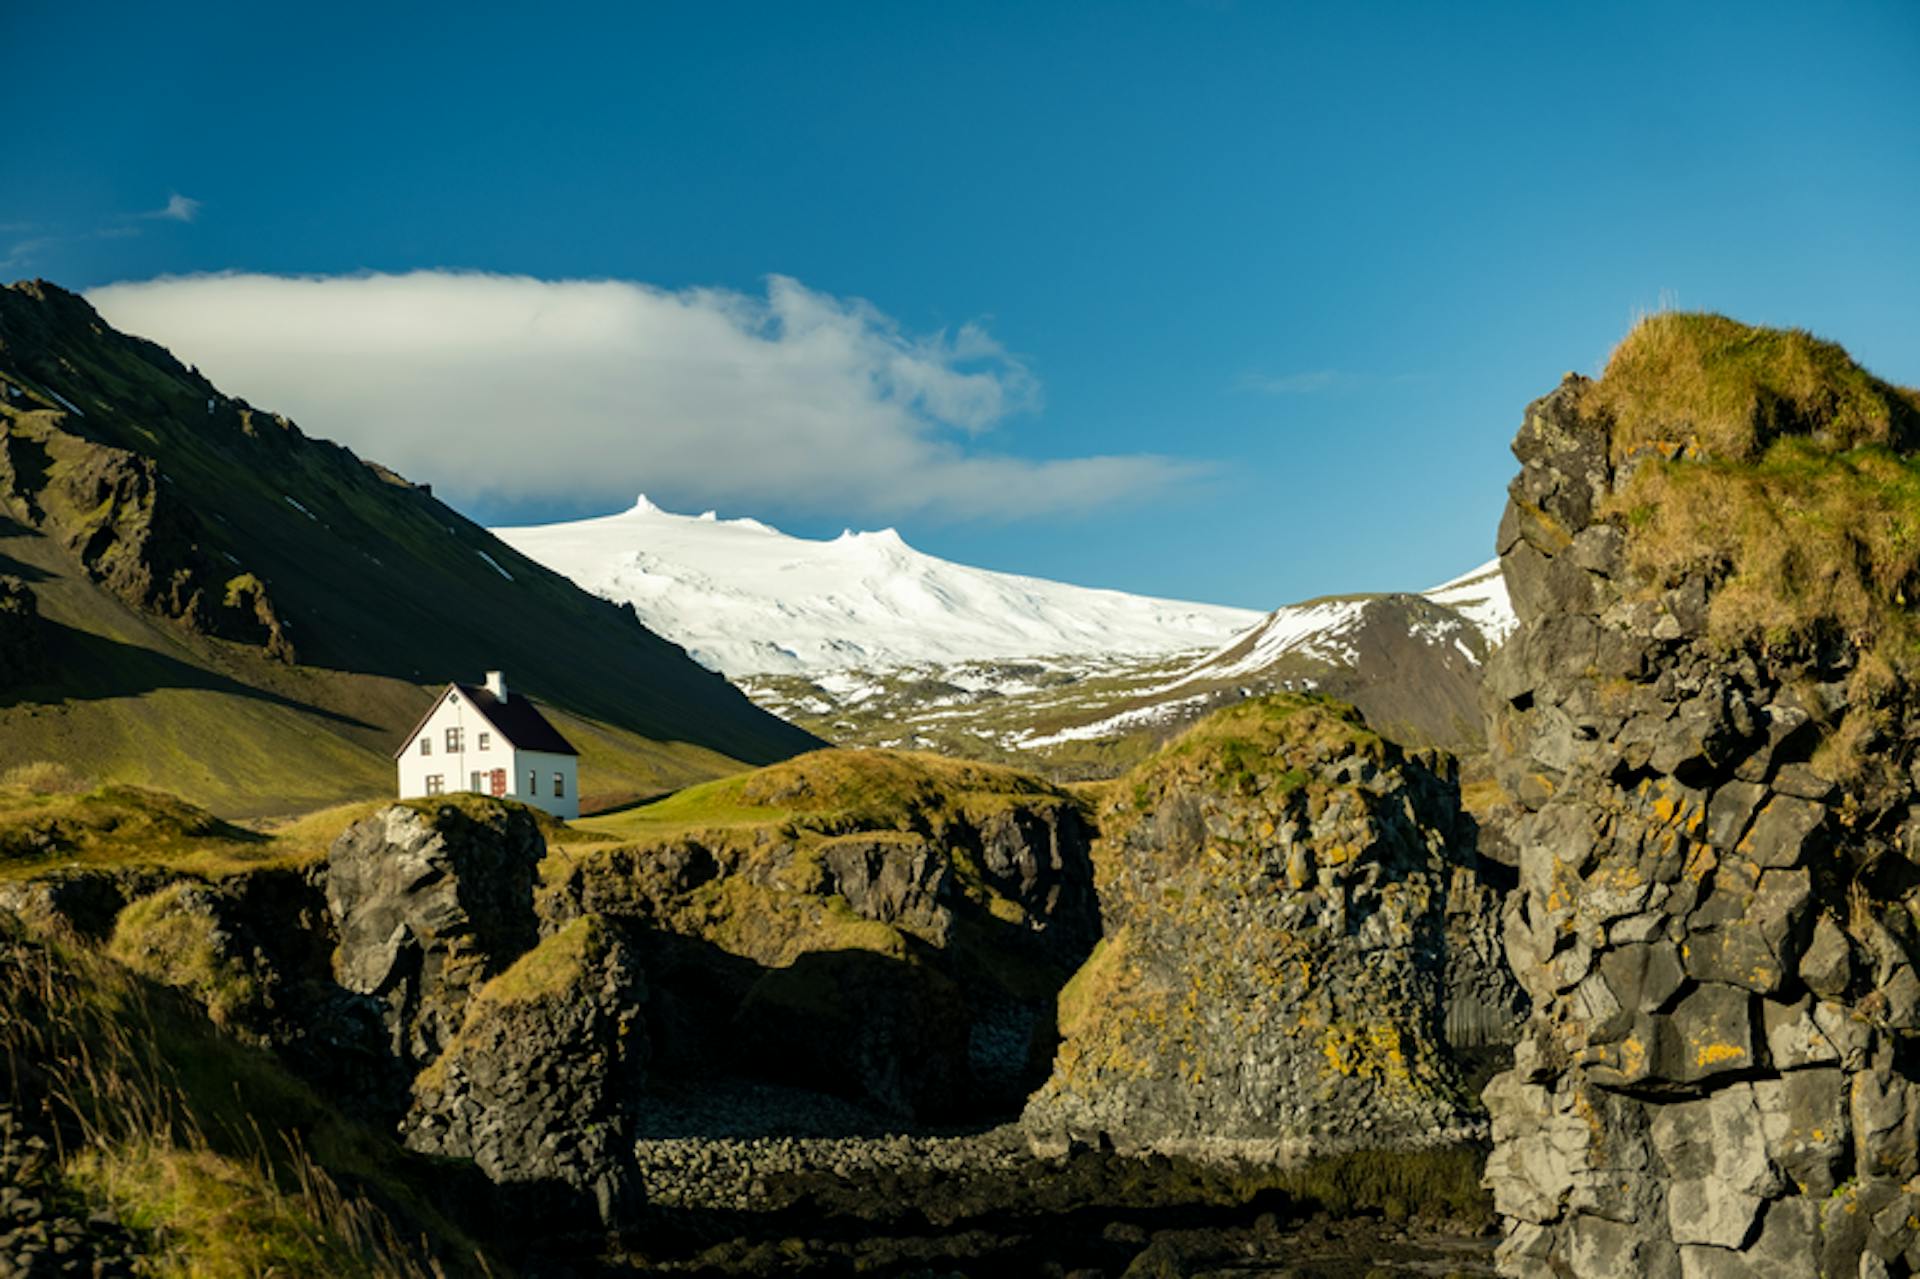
[10, 567]
[89, 668]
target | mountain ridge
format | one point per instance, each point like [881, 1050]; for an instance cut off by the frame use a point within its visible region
[747, 599]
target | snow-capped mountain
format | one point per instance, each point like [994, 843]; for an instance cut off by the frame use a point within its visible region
[1471, 614]
[865, 641]
[746, 599]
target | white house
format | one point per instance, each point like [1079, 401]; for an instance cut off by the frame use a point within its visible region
[492, 742]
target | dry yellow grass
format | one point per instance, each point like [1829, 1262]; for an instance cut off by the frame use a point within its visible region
[1727, 390]
[226, 1165]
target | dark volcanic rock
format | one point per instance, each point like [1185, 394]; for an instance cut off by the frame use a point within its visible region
[539, 1085]
[1290, 910]
[253, 950]
[23, 650]
[430, 901]
[1713, 918]
[905, 959]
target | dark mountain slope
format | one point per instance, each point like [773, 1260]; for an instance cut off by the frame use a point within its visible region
[249, 616]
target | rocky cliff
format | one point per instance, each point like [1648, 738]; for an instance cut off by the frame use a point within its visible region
[885, 926]
[539, 1085]
[1708, 716]
[1291, 905]
[430, 900]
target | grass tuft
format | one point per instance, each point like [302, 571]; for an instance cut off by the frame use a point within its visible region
[42, 777]
[1727, 391]
[552, 968]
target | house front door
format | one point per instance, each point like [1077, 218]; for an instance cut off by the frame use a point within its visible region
[498, 783]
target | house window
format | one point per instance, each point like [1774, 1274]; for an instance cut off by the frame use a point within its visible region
[533, 783]
[473, 781]
[426, 746]
[559, 785]
[486, 740]
[453, 741]
[436, 784]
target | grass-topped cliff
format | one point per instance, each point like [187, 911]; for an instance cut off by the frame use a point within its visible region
[1769, 472]
[221, 606]
[1774, 464]
[898, 922]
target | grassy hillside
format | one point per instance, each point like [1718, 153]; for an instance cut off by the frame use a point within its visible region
[210, 1158]
[246, 616]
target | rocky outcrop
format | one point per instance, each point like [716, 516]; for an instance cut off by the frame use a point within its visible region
[1279, 951]
[112, 508]
[897, 939]
[1722, 818]
[539, 1085]
[23, 649]
[82, 900]
[430, 900]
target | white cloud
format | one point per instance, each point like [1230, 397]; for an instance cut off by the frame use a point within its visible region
[180, 208]
[1295, 383]
[529, 390]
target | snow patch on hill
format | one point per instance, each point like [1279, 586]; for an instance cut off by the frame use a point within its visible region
[1481, 597]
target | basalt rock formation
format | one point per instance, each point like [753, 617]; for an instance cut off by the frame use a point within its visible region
[891, 928]
[1709, 716]
[1291, 905]
[431, 900]
[539, 1085]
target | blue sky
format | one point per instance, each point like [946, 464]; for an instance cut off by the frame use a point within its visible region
[1292, 271]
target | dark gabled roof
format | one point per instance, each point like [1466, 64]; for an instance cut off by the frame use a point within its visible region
[517, 719]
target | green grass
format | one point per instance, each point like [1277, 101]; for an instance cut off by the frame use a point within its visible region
[49, 826]
[835, 792]
[163, 938]
[553, 967]
[228, 1165]
[120, 825]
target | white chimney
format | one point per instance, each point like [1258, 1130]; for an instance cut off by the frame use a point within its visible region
[497, 685]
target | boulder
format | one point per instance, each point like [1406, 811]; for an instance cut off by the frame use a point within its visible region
[1292, 924]
[430, 900]
[538, 1087]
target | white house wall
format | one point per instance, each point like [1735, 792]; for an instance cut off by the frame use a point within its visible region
[456, 768]
[542, 766]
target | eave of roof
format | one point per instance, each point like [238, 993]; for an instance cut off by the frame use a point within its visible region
[517, 719]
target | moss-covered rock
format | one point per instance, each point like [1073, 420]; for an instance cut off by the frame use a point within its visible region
[538, 1086]
[887, 926]
[1273, 981]
[1709, 718]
